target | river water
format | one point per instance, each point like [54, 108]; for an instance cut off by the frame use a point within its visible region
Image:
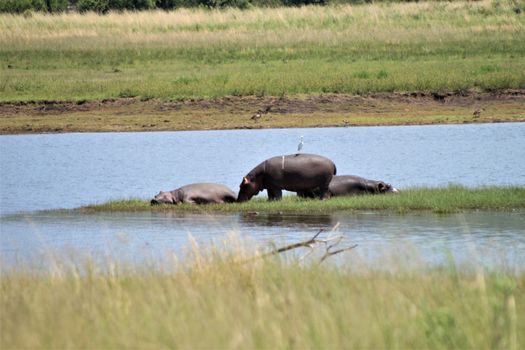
[40, 172]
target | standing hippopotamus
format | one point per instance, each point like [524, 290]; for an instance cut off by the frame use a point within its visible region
[199, 193]
[295, 172]
[348, 185]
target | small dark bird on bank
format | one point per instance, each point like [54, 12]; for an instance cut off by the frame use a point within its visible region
[260, 112]
[477, 112]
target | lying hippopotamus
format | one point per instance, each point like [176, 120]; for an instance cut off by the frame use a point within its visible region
[295, 172]
[199, 193]
[348, 185]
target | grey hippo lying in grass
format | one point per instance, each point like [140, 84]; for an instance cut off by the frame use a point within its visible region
[198, 193]
[349, 185]
[295, 172]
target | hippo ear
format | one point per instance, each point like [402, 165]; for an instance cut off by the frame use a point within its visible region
[245, 180]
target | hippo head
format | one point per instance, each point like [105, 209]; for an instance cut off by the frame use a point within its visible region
[383, 187]
[163, 198]
[248, 189]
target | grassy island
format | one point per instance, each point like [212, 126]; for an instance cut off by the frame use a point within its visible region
[441, 200]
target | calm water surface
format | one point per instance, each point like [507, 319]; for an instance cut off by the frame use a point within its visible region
[490, 239]
[69, 170]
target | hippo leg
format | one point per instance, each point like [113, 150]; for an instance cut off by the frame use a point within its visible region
[275, 194]
[229, 199]
[192, 199]
[201, 200]
[324, 193]
[306, 194]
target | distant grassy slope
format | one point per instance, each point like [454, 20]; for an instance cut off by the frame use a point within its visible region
[429, 46]
[449, 199]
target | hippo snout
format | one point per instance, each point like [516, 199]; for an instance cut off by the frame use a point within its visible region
[154, 202]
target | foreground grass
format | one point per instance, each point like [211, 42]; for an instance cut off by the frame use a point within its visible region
[211, 301]
[427, 46]
[443, 200]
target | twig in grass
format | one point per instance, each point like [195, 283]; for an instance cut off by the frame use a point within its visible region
[311, 243]
[328, 253]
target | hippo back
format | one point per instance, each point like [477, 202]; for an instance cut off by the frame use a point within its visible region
[297, 172]
[354, 185]
[202, 193]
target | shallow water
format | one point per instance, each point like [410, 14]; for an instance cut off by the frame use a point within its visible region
[69, 170]
[488, 239]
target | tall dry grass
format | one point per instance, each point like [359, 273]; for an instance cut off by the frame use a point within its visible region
[392, 22]
[210, 300]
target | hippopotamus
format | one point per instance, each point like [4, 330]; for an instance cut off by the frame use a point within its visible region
[348, 185]
[198, 193]
[294, 172]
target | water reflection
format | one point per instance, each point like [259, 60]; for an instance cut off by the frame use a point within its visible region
[488, 239]
[287, 220]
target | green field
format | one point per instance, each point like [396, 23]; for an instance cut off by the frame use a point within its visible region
[440, 200]
[426, 46]
[212, 301]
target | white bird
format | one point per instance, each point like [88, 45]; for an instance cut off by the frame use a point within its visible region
[300, 145]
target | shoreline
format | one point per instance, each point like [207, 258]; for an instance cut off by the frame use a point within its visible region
[262, 112]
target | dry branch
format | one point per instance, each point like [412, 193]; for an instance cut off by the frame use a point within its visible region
[311, 243]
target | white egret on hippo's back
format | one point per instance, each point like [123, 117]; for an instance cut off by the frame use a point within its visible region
[300, 145]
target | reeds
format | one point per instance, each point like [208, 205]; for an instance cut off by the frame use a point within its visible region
[210, 300]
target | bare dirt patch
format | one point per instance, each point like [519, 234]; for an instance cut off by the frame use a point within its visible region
[134, 114]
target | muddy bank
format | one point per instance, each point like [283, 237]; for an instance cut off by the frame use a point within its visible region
[135, 114]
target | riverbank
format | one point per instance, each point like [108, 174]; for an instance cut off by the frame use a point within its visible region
[439, 200]
[267, 303]
[342, 65]
[250, 112]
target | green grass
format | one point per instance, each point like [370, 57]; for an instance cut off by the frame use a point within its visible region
[440, 200]
[430, 46]
[211, 301]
